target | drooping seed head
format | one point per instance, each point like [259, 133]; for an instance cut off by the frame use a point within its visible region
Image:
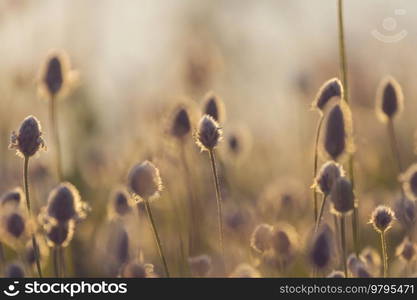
[382, 218]
[409, 180]
[209, 133]
[60, 234]
[214, 107]
[15, 198]
[336, 274]
[342, 196]
[121, 203]
[390, 99]
[261, 238]
[331, 88]
[14, 270]
[29, 139]
[144, 180]
[245, 271]
[407, 250]
[200, 265]
[321, 249]
[181, 125]
[327, 176]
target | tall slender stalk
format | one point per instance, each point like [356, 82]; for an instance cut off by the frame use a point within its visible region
[2, 257]
[394, 146]
[219, 199]
[156, 236]
[316, 150]
[384, 253]
[343, 243]
[323, 204]
[26, 185]
[53, 114]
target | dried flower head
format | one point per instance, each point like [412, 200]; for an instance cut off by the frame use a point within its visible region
[245, 271]
[342, 196]
[214, 107]
[181, 125]
[29, 139]
[209, 133]
[261, 238]
[321, 248]
[382, 218]
[409, 180]
[14, 270]
[15, 198]
[59, 234]
[389, 99]
[56, 75]
[327, 176]
[200, 265]
[331, 88]
[407, 250]
[144, 180]
[64, 203]
[337, 136]
[120, 203]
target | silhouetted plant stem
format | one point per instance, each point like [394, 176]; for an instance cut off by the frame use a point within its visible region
[384, 253]
[343, 243]
[53, 114]
[316, 147]
[323, 204]
[55, 260]
[26, 186]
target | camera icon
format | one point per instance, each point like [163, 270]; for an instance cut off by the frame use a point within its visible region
[11, 290]
[389, 24]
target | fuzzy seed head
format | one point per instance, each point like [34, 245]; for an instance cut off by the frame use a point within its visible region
[342, 196]
[409, 180]
[15, 225]
[60, 234]
[144, 180]
[200, 265]
[14, 270]
[407, 250]
[321, 249]
[261, 238]
[121, 203]
[284, 240]
[405, 212]
[14, 198]
[29, 139]
[327, 176]
[214, 107]
[382, 218]
[335, 137]
[389, 99]
[209, 133]
[181, 125]
[331, 88]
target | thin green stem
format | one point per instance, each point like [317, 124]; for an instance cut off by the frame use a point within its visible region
[384, 253]
[219, 199]
[26, 186]
[343, 243]
[53, 114]
[342, 50]
[156, 236]
[323, 204]
[316, 156]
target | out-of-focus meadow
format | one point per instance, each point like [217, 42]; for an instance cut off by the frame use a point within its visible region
[135, 61]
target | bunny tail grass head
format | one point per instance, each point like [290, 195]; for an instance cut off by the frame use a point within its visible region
[181, 125]
[284, 240]
[14, 198]
[321, 248]
[409, 180]
[214, 107]
[120, 203]
[144, 180]
[331, 88]
[200, 265]
[337, 139]
[261, 238]
[28, 141]
[382, 218]
[390, 99]
[208, 134]
[59, 234]
[407, 250]
[342, 197]
[327, 176]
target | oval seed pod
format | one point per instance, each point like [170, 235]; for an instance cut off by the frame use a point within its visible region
[342, 196]
[181, 125]
[261, 238]
[200, 265]
[331, 88]
[390, 99]
[15, 227]
[29, 139]
[144, 180]
[120, 203]
[321, 248]
[382, 218]
[214, 107]
[284, 240]
[409, 180]
[208, 134]
[327, 176]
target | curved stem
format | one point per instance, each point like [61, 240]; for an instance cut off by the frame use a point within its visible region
[384, 253]
[156, 236]
[316, 151]
[54, 124]
[323, 204]
[26, 186]
[219, 199]
[343, 241]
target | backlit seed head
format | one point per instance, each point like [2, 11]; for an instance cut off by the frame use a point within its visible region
[389, 99]
[327, 176]
[321, 248]
[342, 196]
[208, 134]
[409, 180]
[357, 267]
[14, 270]
[181, 125]
[121, 203]
[214, 107]
[284, 240]
[200, 265]
[29, 139]
[245, 271]
[144, 180]
[382, 218]
[15, 198]
[331, 88]
[261, 238]
[64, 203]
[137, 270]
[337, 138]
[59, 234]
[336, 274]
[15, 225]
[407, 250]
[406, 212]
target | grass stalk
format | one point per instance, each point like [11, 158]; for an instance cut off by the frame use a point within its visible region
[53, 114]
[384, 253]
[343, 243]
[316, 156]
[55, 261]
[323, 204]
